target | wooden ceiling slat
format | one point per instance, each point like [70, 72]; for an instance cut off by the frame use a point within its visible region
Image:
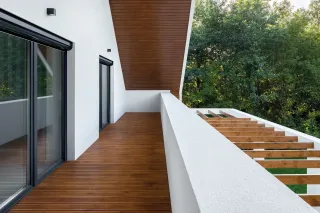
[151, 37]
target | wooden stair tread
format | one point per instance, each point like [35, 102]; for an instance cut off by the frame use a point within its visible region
[275, 145]
[230, 119]
[244, 129]
[292, 179]
[238, 125]
[202, 115]
[289, 163]
[253, 133]
[263, 138]
[231, 122]
[312, 200]
[283, 153]
[226, 114]
[214, 114]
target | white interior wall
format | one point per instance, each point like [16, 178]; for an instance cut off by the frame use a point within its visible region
[89, 25]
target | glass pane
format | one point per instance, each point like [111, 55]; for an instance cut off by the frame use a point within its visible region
[49, 107]
[104, 95]
[14, 106]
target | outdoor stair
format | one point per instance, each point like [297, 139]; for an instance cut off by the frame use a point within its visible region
[270, 148]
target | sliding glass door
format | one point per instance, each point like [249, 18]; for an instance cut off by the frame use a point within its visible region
[32, 109]
[104, 92]
[49, 107]
[104, 95]
[14, 116]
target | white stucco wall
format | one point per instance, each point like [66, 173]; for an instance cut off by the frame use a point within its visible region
[181, 193]
[89, 25]
[143, 100]
[223, 178]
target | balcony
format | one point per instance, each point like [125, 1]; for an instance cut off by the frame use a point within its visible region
[90, 122]
[185, 166]
[124, 171]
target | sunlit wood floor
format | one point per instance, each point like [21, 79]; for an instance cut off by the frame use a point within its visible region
[124, 171]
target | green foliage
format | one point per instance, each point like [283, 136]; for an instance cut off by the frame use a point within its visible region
[257, 57]
[14, 70]
[299, 189]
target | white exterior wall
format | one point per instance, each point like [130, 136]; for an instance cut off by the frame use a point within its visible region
[143, 100]
[222, 177]
[89, 25]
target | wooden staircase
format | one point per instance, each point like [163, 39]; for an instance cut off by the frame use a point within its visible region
[271, 149]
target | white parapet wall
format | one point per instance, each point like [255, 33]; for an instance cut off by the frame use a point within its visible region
[207, 173]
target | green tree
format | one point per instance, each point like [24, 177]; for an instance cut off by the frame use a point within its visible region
[257, 57]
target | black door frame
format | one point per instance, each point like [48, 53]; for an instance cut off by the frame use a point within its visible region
[108, 63]
[14, 25]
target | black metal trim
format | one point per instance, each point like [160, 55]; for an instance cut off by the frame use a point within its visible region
[109, 93]
[105, 61]
[64, 125]
[100, 97]
[16, 199]
[33, 113]
[48, 172]
[102, 125]
[15, 25]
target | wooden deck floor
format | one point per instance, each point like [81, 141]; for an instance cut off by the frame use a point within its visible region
[124, 171]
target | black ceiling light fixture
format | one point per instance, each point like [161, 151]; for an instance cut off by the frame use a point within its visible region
[51, 11]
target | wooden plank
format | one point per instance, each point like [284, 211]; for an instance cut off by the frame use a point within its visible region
[123, 171]
[214, 114]
[202, 115]
[244, 129]
[263, 138]
[312, 200]
[229, 119]
[226, 114]
[238, 125]
[283, 153]
[289, 163]
[231, 122]
[256, 133]
[275, 145]
[292, 179]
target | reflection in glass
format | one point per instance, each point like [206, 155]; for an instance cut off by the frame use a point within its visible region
[14, 105]
[104, 94]
[49, 107]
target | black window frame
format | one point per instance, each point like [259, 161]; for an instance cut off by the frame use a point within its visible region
[14, 25]
[108, 63]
